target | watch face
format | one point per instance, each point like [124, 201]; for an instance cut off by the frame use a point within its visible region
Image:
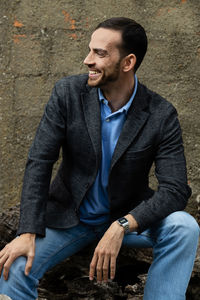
[123, 221]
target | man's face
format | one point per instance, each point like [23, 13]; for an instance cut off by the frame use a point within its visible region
[104, 59]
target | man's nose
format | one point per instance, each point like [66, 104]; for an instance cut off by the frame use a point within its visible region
[89, 60]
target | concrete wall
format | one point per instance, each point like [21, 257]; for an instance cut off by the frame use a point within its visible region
[44, 40]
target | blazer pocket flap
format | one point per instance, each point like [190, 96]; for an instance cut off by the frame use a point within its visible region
[138, 153]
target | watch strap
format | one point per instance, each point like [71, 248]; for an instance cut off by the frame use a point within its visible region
[124, 223]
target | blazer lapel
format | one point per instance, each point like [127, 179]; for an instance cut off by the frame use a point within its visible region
[136, 118]
[91, 109]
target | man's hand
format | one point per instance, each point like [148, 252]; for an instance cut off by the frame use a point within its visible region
[24, 245]
[106, 252]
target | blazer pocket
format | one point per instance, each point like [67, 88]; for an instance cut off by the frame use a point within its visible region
[59, 192]
[130, 154]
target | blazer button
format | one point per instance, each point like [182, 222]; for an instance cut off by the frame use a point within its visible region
[87, 185]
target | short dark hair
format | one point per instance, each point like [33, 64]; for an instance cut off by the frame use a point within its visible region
[134, 39]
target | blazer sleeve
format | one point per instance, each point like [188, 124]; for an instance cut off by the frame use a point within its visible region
[170, 169]
[42, 155]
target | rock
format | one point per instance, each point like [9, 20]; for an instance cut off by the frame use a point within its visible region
[8, 224]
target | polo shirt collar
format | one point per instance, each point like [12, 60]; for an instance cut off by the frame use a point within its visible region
[128, 104]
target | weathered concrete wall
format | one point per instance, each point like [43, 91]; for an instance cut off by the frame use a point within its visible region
[42, 41]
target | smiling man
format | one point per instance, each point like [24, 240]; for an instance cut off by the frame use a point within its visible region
[104, 57]
[111, 129]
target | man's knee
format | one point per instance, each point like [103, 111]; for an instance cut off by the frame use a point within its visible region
[15, 277]
[17, 268]
[184, 225]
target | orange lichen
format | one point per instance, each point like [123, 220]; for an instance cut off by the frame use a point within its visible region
[69, 20]
[16, 38]
[73, 35]
[18, 24]
[72, 24]
[66, 16]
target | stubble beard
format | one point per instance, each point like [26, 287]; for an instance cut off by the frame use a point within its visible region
[104, 80]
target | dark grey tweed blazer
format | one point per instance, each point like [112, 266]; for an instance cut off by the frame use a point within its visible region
[71, 121]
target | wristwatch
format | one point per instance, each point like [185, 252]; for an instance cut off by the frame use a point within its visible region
[124, 223]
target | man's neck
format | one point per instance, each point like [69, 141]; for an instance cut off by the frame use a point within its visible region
[119, 93]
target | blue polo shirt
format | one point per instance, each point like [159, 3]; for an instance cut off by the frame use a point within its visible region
[95, 207]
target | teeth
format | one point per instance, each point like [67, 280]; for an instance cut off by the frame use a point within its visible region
[93, 72]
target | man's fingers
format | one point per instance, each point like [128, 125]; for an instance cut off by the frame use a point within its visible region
[2, 261]
[7, 266]
[99, 268]
[112, 267]
[102, 264]
[29, 264]
[24, 245]
[106, 268]
[93, 267]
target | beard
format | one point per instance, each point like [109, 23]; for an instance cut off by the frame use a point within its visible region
[104, 79]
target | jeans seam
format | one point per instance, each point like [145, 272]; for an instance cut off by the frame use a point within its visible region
[55, 252]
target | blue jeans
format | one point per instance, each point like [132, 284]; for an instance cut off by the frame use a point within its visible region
[174, 241]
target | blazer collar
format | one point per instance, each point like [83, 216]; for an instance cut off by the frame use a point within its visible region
[92, 114]
[136, 118]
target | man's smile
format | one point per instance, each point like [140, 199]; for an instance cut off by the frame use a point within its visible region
[94, 74]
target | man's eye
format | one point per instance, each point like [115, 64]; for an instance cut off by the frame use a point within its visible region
[101, 53]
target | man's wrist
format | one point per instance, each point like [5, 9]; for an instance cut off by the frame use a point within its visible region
[123, 222]
[28, 235]
[132, 224]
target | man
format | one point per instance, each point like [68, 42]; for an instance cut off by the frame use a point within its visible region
[111, 129]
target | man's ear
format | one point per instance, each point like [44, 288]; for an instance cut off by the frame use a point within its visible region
[129, 62]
